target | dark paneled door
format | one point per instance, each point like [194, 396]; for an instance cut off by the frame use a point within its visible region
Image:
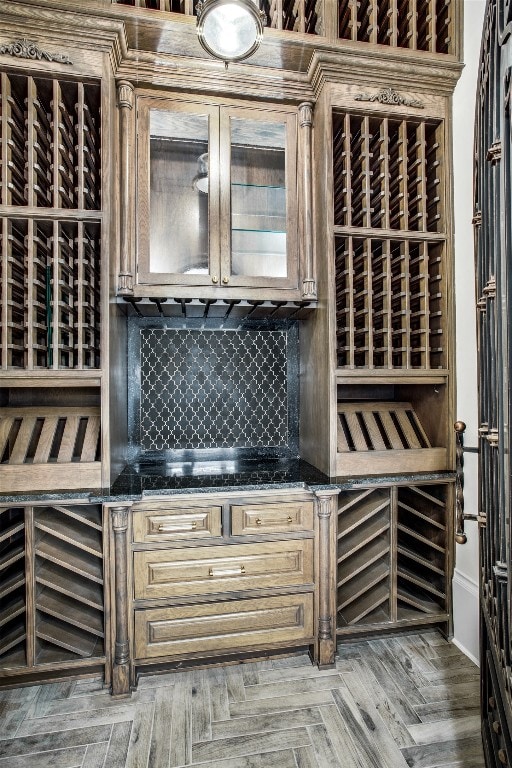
[493, 248]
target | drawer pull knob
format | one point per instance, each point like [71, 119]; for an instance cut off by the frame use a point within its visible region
[240, 571]
[289, 521]
[496, 727]
[177, 527]
[258, 521]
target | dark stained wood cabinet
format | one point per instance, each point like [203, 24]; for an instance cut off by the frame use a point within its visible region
[148, 191]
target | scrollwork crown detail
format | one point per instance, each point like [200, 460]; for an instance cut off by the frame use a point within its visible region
[392, 97]
[25, 49]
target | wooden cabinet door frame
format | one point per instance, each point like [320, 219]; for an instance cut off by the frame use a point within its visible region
[219, 202]
[144, 273]
[290, 122]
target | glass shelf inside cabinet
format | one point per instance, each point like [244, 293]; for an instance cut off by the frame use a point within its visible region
[258, 235]
[258, 198]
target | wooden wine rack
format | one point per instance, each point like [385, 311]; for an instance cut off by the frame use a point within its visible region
[52, 609]
[387, 173]
[363, 576]
[390, 303]
[373, 436]
[392, 556]
[290, 15]
[422, 542]
[421, 26]
[59, 445]
[13, 629]
[50, 264]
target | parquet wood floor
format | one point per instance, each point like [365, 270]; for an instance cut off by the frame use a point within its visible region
[404, 701]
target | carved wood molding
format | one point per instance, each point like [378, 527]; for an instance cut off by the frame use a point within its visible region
[391, 97]
[25, 49]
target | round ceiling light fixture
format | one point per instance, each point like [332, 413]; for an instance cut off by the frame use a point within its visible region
[230, 30]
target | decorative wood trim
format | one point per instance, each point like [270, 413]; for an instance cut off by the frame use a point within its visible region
[390, 97]
[121, 662]
[125, 103]
[306, 124]
[25, 49]
[326, 590]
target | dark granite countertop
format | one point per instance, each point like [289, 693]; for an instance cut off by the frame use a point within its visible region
[158, 478]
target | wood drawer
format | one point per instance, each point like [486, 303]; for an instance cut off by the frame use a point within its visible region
[183, 630]
[272, 518]
[206, 570]
[169, 523]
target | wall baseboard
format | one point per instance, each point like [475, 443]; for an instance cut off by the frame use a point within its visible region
[466, 616]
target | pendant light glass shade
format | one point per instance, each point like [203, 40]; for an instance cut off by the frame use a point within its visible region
[230, 30]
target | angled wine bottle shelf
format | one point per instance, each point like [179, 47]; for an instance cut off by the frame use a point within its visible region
[392, 556]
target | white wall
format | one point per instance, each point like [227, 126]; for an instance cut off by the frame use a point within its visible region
[465, 581]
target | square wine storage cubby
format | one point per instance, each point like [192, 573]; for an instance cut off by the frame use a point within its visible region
[51, 589]
[393, 562]
[50, 231]
[390, 428]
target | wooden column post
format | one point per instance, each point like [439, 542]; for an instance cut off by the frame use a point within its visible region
[326, 563]
[306, 239]
[125, 100]
[121, 663]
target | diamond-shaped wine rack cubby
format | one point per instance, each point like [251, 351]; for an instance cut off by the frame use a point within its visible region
[69, 582]
[421, 550]
[13, 628]
[363, 578]
[392, 556]
[51, 588]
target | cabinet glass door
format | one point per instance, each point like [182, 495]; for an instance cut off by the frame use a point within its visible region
[258, 220]
[175, 209]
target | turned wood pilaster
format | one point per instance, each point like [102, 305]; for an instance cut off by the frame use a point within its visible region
[125, 101]
[326, 646]
[121, 662]
[306, 242]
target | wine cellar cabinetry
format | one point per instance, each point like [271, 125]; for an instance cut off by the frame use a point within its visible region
[393, 556]
[149, 194]
[391, 303]
[50, 264]
[426, 26]
[52, 593]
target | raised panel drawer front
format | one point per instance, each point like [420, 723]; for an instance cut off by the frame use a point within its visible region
[206, 570]
[271, 518]
[183, 630]
[152, 525]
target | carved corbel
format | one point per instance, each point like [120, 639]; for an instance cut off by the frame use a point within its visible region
[306, 125]
[125, 103]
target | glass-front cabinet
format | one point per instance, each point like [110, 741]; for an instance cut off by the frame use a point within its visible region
[217, 198]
